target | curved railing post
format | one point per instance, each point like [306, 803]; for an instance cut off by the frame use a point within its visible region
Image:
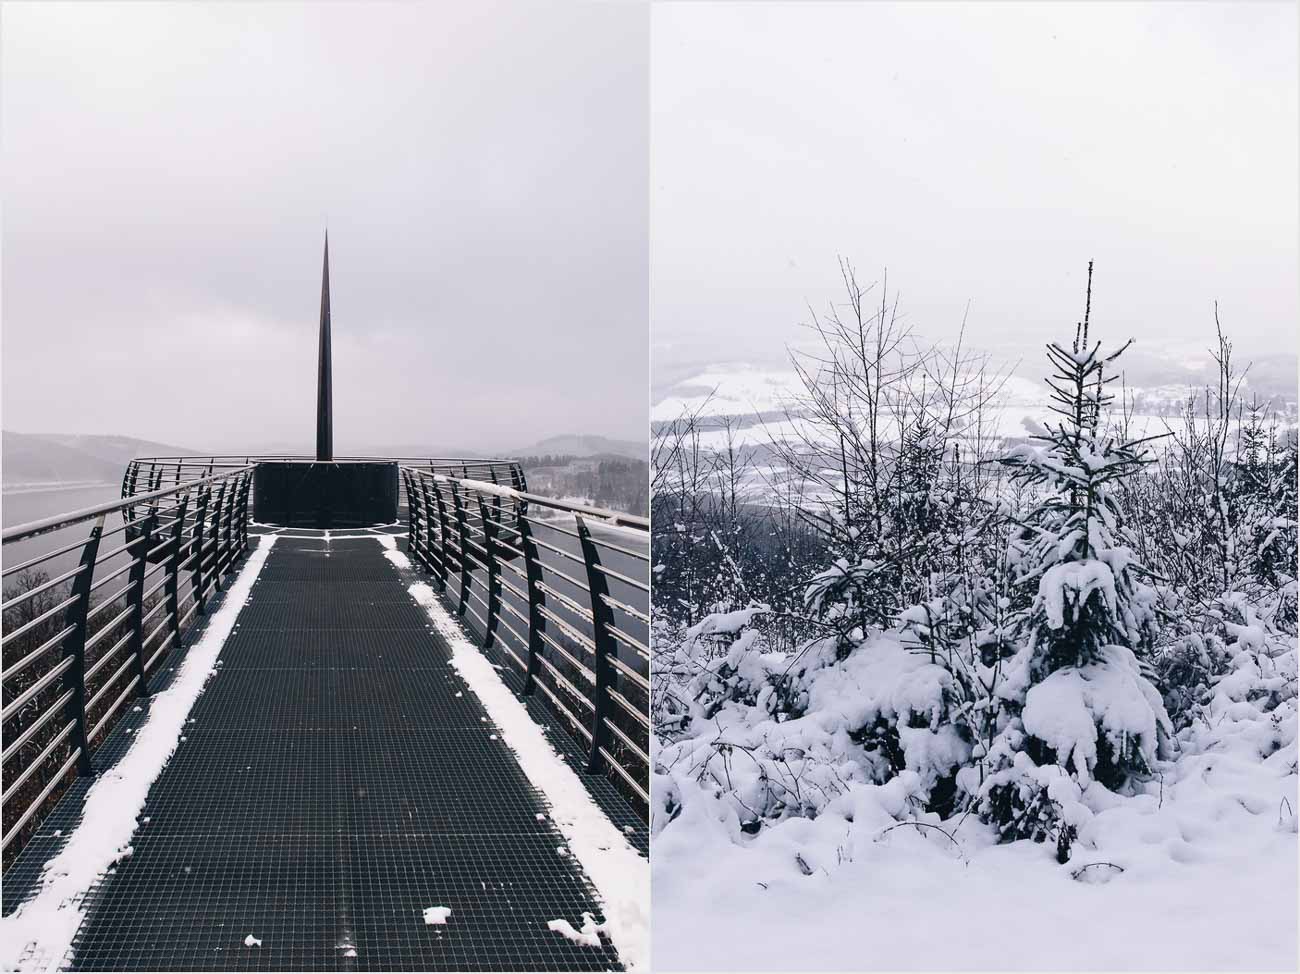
[196, 545]
[171, 586]
[216, 537]
[74, 646]
[128, 488]
[536, 601]
[226, 555]
[494, 574]
[423, 523]
[602, 622]
[462, 533]
[517, 478]
[442, 532]
[412, 518]
[245, 485]
[135, 598]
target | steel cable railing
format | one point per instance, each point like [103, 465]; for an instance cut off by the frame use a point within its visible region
[88, 621]
[561, 589]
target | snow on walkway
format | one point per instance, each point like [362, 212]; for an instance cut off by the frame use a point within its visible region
[38, 935]
[620, 875]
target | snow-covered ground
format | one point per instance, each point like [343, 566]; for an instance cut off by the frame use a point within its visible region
[1197, 870]
[1208, 883]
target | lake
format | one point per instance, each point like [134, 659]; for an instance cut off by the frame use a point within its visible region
[20, 505]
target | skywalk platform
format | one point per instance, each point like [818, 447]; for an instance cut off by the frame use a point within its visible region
[336, 779]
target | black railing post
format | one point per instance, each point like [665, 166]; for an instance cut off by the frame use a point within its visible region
[171, 586]
[196, 579]
[412, 518]
[536, 600]
[241, 526]
[74, 646]
[442, 533]
[462, 533]
[128, 488]
[494, 574]
[227, 539]
[602, 621]
[517, 478]
[417, 498]
[135, 597]
[216, 537]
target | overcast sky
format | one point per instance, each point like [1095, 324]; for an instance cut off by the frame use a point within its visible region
[169, 170]
[979, 152]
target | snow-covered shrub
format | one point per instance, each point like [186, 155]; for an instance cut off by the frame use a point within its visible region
[698, 669]
[1004, 652]
[783, 735]
[732, 663]
[1078, 691]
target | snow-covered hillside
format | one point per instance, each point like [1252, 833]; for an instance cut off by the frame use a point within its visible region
[757, 399]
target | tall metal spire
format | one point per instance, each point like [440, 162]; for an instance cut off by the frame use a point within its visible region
[324, 378]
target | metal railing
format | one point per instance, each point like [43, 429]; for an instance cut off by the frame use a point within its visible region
[89, 618]
[562, 590]
[152, 473]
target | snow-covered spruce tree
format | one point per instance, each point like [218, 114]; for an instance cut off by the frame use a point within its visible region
[1262, 492]
[1078, 708]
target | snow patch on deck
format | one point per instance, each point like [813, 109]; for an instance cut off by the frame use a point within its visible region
[38, 935]
[436, 915]
[588, 935]
[620, 875]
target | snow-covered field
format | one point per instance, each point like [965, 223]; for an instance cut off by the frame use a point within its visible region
[1199, 872]
[1208, 884]
[759, 397]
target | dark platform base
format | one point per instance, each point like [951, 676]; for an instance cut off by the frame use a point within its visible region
[325, 495]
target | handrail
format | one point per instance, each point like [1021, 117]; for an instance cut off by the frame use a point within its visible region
[605, 514]
[585, 647]
[56, 522]
[218, 458]
[80, 647]
[65, 624]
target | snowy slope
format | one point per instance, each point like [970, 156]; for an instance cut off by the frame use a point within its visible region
[759, 397]
[1208, 881]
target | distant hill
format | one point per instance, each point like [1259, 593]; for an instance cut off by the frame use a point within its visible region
[573, 445]
[61, 458]
[50, 458]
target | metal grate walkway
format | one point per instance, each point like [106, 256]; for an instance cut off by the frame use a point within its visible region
[337, 779]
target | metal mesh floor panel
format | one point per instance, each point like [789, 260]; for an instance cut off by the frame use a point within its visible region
[23, 876]
[602, 790]
[336, 779]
